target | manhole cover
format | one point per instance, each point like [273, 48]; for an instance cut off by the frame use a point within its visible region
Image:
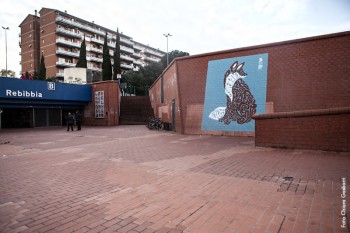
[288, 178]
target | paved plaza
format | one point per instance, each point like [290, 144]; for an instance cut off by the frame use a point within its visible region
[131, 179]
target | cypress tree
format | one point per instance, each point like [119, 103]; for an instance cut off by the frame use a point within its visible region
[106, 64]
[42, 69]
[82, 56]
[116, 66]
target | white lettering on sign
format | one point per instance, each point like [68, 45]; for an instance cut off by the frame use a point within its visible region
[29, 94]
[50, 86]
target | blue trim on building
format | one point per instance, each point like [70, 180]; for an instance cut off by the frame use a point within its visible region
[24, 93]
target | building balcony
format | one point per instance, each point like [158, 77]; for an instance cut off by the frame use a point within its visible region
[122, 40]
[139, 63]
[65, 64]
[97, 41]
[127, 42]
[126, 58]
[95, 50]
[66, 42]
[153, 52]
[126, 66]
[112, 45]
[95, 59]
[151, 59]
[126, 49]
[136, 55]
[60, 75]
[137, 48]
[67, 53]
[74, 23]
[70, 33]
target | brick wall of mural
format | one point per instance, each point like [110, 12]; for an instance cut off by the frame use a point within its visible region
[297, 77]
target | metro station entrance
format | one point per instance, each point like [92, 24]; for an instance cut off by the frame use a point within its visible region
[16, 118]
[34, 117]
[34, 103]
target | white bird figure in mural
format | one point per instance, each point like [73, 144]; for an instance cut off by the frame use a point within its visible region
[232, 75]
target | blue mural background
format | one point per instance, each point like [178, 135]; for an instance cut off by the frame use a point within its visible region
[256, 69]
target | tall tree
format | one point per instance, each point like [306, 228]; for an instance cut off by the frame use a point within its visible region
[143, 78]
[42, 69]
[106, 64]
[7, 73]
[116, 66]
[172, 55]
[82, 63]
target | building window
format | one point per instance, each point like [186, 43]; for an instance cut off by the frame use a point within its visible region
[31, 55]
[31, 65]
[30, 25]
[30, 45]
[43, 41]
[30, 35]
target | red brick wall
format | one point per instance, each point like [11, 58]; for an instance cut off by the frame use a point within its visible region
[170, 92]
[304, 74]
[28, 57]
[326, 131]
[111, 104]
[48, 40]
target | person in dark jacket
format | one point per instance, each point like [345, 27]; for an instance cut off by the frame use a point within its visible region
[70, 121]
[78, 119]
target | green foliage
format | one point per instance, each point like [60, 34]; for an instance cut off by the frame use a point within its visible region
[116, 66]
[152, 70]
[42, 70]
[36, 75]
[7, 73]
[27, 75]
[172, 55]
[96, 76]
[52, 79]
[82, 63]
[145, 77]
[106, 64]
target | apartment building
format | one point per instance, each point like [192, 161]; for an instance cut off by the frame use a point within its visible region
[58, 35]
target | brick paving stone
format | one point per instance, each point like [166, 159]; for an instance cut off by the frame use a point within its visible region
[130, 179]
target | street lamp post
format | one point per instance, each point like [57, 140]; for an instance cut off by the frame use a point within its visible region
[6, 28]
[167, 53]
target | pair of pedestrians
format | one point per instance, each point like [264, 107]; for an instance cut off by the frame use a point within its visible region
[74, 118]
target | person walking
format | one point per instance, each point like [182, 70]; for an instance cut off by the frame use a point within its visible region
[78, 119]
[70, 121]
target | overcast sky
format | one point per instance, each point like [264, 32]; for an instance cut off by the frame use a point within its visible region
[196, 26]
